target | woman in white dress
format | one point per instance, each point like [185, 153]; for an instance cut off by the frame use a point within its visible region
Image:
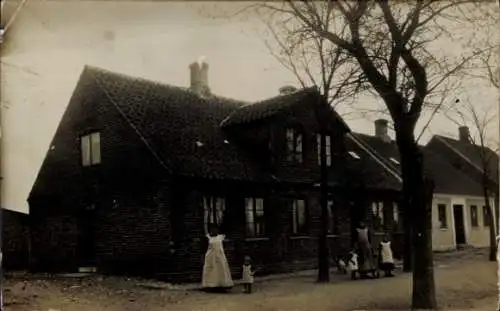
[216, 273]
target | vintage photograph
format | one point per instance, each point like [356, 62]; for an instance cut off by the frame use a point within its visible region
[243, 156]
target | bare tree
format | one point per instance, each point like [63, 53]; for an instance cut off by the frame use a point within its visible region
[480, 120]
[391, 45]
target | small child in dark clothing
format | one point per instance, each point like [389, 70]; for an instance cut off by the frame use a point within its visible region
[247, 275]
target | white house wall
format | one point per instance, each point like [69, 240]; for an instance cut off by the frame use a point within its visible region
[444, 238]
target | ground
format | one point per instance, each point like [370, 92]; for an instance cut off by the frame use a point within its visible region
[464, 281]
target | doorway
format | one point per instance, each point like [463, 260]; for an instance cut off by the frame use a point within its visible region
[86, 237]
[458, 217]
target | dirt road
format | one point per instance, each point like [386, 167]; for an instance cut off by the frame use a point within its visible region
[463, 282]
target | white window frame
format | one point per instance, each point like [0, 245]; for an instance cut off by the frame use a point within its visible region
[296, 223]
[254, 217]
[90, 149]
[294, 145]
[328, 149]
[214, 209]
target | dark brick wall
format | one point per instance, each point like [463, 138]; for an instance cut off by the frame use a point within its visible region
[133, 233]
[277, 251]
[15, 240]
[128, 173]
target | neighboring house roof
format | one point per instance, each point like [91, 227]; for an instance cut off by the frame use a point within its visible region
[368, 168]
[447, 179]
[471, 153]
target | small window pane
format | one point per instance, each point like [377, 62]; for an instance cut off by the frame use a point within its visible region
[259, 207]
[85, 145]
[442, 216]
[298, 147]
[96, 148]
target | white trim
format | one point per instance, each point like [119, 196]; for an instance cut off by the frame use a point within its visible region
[372, 154]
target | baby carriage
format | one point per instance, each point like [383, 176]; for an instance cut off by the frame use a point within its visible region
[369, 263]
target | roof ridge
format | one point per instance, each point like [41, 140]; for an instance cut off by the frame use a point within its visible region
[129, 77]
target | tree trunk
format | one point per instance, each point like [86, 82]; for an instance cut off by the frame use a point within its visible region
[323, 251]
[491, 221]
[407, 241]
[419, 210]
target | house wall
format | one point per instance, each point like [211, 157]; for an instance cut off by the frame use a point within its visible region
[15, 240]
[128, 172]
[444, 239]
[278, 251]
[477, 236]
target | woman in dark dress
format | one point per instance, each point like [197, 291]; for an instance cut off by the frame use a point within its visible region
[366, 260]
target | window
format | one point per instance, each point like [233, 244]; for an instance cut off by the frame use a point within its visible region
[395, 215]
[378, 215]
[443, 220]
[254, 216]
[294, 146]
[473, 216]
[486, 217]
[91, 149]
[332, 222]
[354, 155]
[213, 211]
[394, 161]
[299, 215]
[328, 149]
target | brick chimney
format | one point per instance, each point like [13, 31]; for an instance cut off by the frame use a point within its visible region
[287, 89]
[381, 130]
[199, 78]
[464, 134]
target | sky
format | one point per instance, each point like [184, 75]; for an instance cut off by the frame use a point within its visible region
[50, 42]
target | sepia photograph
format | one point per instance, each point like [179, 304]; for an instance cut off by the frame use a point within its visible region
[249, 155]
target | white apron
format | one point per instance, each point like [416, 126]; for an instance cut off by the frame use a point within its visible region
[216, 271]
[386, 252]
[247, 276]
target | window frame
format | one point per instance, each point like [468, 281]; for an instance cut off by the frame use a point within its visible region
[297, 229]
[328, 148]
[474, 221]
[258, 221]
[443, 224]
[90, 158]
[294, 139]
[332, 218]
[211, 208]
[378, 213]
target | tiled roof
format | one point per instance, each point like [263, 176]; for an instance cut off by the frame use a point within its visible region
[447, 179]
[266, 108]
[473, 153]
[182, 127]
[367, 169]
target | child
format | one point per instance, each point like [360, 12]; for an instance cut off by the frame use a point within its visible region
[352, 264]
[341, 266]
[385, 255]
[247, 274]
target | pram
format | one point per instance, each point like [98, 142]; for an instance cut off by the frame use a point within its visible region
[373, 270]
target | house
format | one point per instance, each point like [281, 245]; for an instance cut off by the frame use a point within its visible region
[458, 198]
[15, 240]
[477, 163]
[137, 170]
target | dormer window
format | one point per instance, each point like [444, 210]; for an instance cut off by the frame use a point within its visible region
[354, 155]
[393, 160]
[294, 146]
[91, 149]
[328, 149]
